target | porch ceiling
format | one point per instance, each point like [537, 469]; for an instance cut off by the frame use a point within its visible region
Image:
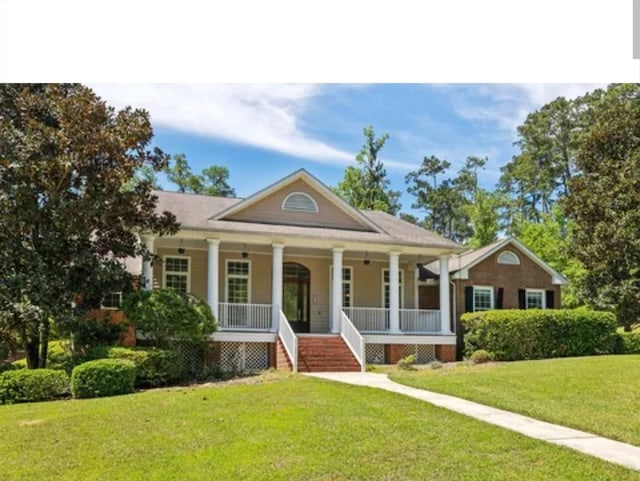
[262, 249]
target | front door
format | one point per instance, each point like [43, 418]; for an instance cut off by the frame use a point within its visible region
[295, 295]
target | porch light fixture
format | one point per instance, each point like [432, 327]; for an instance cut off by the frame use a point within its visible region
[245, 254]
[366, 261]
[181, 249]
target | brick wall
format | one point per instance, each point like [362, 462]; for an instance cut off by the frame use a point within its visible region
[393, 353]
[282, 361]
[446, 352]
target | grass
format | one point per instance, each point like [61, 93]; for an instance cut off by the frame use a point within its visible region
[596, 394]
[284, 428]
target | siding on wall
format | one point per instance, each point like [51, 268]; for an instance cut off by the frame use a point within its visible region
[270, 209]
[366, 282]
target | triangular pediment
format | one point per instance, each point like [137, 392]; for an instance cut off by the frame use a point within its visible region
[299, 199]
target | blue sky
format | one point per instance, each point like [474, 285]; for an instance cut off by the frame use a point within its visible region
[264, 132]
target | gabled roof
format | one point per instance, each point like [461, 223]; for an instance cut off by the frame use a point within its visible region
[205, 213]
[466, 260]
[316, 184]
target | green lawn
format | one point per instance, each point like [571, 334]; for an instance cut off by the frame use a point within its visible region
[285, 428]
[596, 394]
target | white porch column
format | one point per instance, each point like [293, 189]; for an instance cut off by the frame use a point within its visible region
[147, 269]
[394, 292]
[336, 290]
[276, 285]
[445, 302]
[213, 275]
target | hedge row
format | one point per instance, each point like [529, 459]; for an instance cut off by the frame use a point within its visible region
[103, 377]
[630, 342]
[23, 385]
[511, 335]
[154, 367]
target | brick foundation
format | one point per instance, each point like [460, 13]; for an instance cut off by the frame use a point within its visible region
[393, 353]
[446, 352]
[282, 361]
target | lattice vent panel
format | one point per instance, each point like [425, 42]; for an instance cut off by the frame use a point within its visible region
[374, 353]
[424, 353]
[244, 356]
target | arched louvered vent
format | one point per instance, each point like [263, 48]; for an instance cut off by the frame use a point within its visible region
[508, 257]
[299, 202]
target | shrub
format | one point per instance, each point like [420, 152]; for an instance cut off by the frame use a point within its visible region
[537, 334]
[407, 362]
[630, 342]
[27, 385]
[154, 367]
[19, 364]
[95, 332]
[103, 377]
[60, 356]
[481, 356]
[164, 315]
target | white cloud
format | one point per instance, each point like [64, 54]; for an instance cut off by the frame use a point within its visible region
[264, 116]
[507, 105]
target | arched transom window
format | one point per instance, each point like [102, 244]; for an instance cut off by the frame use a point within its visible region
[509, 258]
[299, 202]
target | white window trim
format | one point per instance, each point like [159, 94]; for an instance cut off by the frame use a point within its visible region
[541, 291]
[343, 281]
[386, 283]
[517, 263]
[165, 271]
[490, 289]
[105, 308]
[227, 276]
[315, 204]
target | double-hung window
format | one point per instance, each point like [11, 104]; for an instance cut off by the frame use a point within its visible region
[535, 299]
[385, 288]
[482, 298]
[347, 285]
[176, 274]
[238, 281]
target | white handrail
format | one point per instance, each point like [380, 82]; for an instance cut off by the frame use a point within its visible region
[420, 320]
[244, 316]
[369, 319]
[289, 340]
[352, 338]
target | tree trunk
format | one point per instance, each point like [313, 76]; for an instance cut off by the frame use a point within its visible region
[32, 349]
[44, 342]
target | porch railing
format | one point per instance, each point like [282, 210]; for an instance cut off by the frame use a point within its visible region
[253, 317]
[368, 319]
[352, 338]
[420, 320]
[289, 340]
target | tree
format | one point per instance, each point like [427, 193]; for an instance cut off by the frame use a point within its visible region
[367, 187]
[449, 203]
[164, 315]
[216, 182]
[551, 240]
[143, 174]
[483, 214]
[603, 201]
[213, 181]
[67, 220]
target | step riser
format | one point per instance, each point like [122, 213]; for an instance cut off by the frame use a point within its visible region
[322, 354]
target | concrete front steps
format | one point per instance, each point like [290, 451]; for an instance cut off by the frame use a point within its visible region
[326, 353]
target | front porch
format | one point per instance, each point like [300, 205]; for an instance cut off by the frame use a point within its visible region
[367, 320]
[273, 293]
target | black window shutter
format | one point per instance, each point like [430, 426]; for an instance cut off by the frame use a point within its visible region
[499, 297]
[522, 299]
[468, 299]
[550, 300]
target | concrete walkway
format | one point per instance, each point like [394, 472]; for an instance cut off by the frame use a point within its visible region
[603, 448]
